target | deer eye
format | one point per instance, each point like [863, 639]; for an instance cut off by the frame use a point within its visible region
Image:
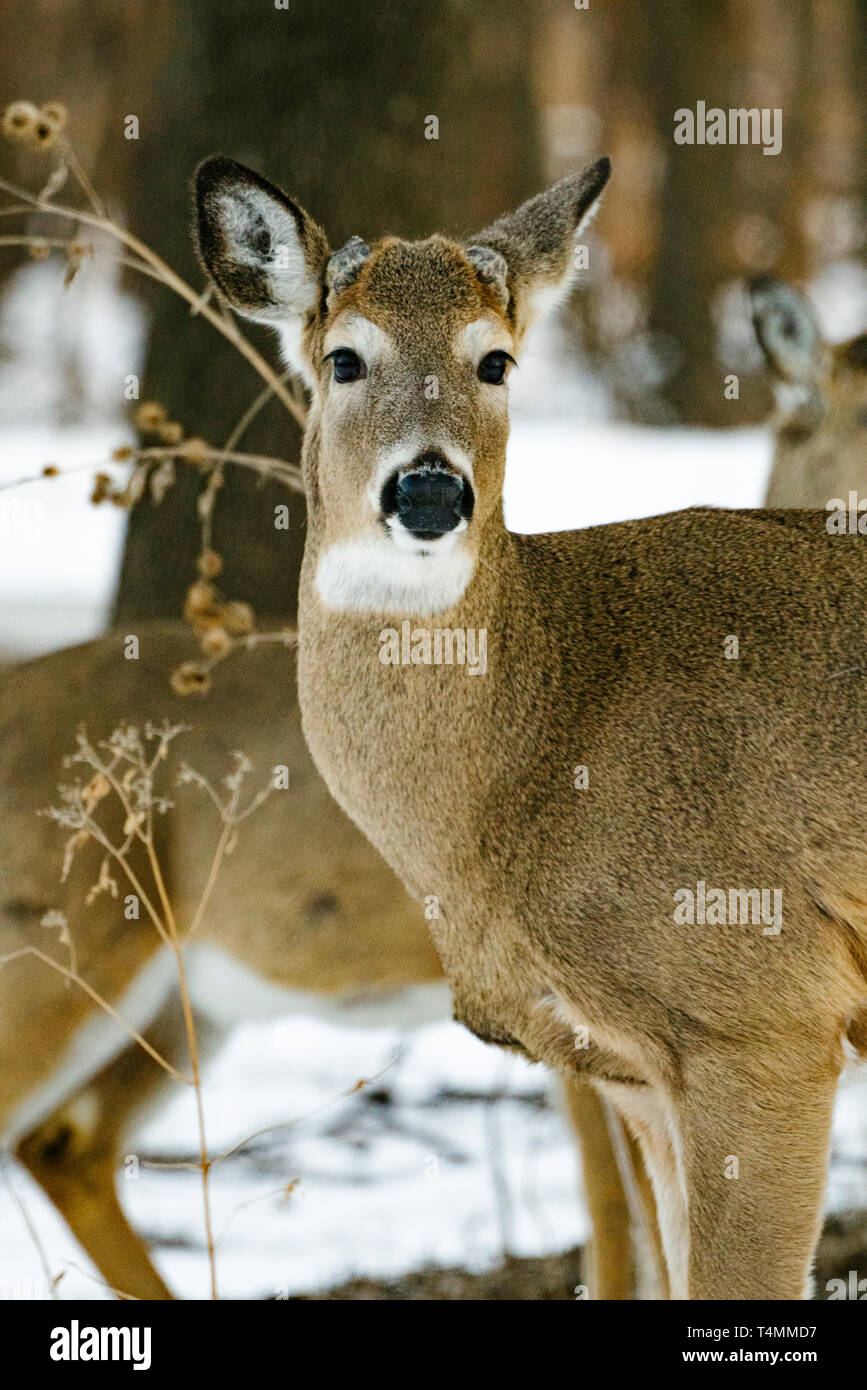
[492, 367]
[348, 366]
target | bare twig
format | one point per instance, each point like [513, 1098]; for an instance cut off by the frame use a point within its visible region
[224, 325]
[51, 1280]
[287, 473]
[126, 766]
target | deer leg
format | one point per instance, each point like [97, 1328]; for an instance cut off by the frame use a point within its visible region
[755, 1131]
[660, 1193]
[648, 1218]
[610, 1251]
[74, 1154]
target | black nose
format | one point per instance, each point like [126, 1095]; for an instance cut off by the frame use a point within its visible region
[430, 501]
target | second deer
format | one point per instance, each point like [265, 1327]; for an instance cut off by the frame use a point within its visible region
[306, 916]
[821, 431]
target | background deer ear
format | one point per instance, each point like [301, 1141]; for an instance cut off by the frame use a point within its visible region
[787, 330]
[528, 256]
[266, 256]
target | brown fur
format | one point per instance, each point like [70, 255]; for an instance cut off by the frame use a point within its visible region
[304, 901]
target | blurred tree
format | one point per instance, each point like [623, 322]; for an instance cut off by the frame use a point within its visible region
[685, 225]
[595, 82]
[97, 58]
[331, 102]
[724, 210]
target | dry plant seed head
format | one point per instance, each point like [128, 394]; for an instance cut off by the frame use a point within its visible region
[101, 489]
[123, 453]
[104, 884]
[202, 606]
[209, 564]
[191, 679]
[50, 471]
[170, 432]
[57, 921]
[195, 451]
[73, 845]
[104, 489]
[95, 791]
[55, 114]
[19, 120]
[239, 618]
[45, 133]
[216, 644]
[149, 416]
[127, 764]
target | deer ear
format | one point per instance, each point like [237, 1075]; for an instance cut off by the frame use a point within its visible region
[266, 256]
[787, 330]
[527, 256]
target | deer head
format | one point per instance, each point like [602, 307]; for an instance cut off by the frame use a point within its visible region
[821, 430]
[406, 348]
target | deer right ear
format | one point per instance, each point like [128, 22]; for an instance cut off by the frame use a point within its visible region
[266, 256]
[787, 330]
[527, 257]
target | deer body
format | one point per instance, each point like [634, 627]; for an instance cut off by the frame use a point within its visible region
[548, 915]
[304, 905]
[719, 1043]
[306, 915]
[556, 906]
[339, 910]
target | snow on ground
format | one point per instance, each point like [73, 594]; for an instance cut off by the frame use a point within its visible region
[419, 1167]
[390, 1178]
[58, 554]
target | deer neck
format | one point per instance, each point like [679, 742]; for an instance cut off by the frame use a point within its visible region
[404, 738]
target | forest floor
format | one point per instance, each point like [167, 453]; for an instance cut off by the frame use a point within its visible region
[451, 1174]
[554, 1278]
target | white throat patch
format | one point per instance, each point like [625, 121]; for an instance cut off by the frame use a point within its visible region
[373, 576]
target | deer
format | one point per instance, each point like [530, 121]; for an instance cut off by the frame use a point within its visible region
[306, 916]
[667, 732]
[821, 389]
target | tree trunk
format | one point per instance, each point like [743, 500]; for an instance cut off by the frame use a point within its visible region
[723, 210]
[329, 101]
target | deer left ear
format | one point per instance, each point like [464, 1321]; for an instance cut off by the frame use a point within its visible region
[787, 330]
[265, 254]
[528, 256]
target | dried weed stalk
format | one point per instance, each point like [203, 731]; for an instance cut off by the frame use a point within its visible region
[45, 127]
[222, 625]
[129, 769]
